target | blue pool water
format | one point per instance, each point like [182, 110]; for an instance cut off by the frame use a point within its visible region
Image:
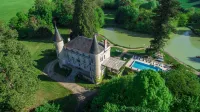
[143, 66]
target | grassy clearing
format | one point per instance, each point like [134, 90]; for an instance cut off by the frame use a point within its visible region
[42, 52]
[51, 91]
[9, 8]
[137, 52]
[116, 51]
[86, 84]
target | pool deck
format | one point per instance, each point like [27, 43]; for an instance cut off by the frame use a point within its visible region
[130, 62]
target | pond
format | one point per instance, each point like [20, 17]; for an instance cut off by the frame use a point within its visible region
[126, 38]
[185, 46]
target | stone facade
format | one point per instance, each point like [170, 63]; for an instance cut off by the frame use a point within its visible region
[83, 53]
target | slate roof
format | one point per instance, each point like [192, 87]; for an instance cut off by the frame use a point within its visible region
[57, 36]
[94, 49]
[86, 45]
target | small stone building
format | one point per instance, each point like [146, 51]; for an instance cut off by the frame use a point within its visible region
[88, 55]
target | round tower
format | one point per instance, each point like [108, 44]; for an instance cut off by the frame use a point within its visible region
[95, 55]
[59, 44]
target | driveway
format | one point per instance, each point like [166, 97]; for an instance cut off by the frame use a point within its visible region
[82, 94]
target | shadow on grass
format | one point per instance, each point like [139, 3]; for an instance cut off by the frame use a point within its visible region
[67, 103]
[45, 78]
[47, 56]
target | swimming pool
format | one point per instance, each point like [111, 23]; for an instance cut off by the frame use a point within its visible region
[143, 66]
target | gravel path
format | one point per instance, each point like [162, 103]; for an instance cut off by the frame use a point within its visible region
[81, 93]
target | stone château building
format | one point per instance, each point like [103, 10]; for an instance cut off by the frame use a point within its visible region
[88, 55]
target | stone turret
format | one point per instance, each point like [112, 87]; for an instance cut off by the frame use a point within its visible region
[94, 51]
[58, 42]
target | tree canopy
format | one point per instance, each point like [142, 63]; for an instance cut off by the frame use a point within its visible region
[17, 81]
[48, 108]
[167, 10]
[87, 18]
[185, 87]
[146, 90]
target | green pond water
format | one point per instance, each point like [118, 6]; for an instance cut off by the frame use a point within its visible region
[185, 46]
[126, 38]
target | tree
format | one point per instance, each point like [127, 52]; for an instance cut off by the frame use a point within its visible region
[185, 87]
[42, 9]
[127, 16]
[167, 9]
[64, 12]
[84, 18]
[146, 90]
[48, 108]
[30, 25]
[99, 18]
[17, 82]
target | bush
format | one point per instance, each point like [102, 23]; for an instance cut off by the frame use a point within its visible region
[43, 32]
[48, 108]
[183, 20]
[146, 90]
[128, 71]
[152, 4]
[99, 18]
[126, 16]
[64, 12]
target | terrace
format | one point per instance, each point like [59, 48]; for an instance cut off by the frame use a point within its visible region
[139, 63]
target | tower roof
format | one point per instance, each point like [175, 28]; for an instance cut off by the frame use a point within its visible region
[95, 46]
[57, 36]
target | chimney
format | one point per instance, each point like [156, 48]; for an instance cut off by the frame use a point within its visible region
[105, 44]
[68, 39]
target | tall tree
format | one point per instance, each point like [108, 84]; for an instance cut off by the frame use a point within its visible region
[185, 87]
[17, 82]
[167, 9]
[64, 12]
[146, 90]
[84, 18]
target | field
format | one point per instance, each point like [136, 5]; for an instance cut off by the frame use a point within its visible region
[8, 8]
[42, 52]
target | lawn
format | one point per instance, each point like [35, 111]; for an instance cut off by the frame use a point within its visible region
[51, 91]
[42, 52]
[137, 52]
[86, 84]
[9, 8]
[115, 51]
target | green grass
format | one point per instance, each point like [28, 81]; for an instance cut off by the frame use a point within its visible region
[51, 91]
[86, 84]
[42, 52]
[137, 52]
[114, 52]
[9, 8]
[62, 71]
[169, 60]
